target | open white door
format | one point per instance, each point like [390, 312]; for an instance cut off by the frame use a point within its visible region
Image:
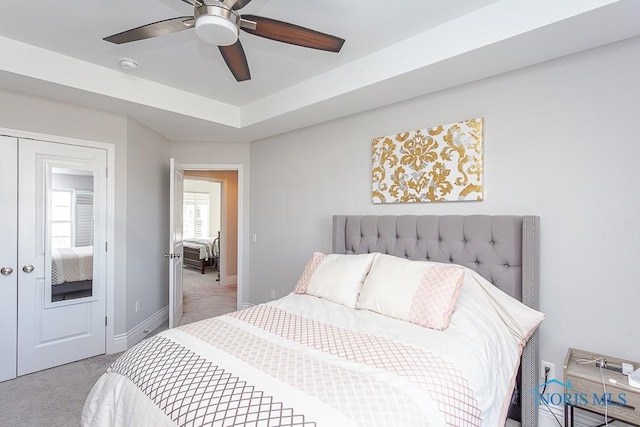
[62, 198]
[175, 244]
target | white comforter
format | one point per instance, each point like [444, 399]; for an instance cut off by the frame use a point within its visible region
[304, 361]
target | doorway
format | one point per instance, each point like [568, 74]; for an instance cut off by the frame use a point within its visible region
[210, 218]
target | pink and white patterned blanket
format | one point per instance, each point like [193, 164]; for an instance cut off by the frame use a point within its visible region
[303, 361]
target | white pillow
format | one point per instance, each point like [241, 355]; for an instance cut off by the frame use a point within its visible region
[339, 278]
[419, 292]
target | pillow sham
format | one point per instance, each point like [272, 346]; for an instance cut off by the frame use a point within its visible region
[335, 277]
[419, 292]
[307, 273]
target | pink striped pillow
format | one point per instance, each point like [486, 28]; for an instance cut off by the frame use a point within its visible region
[420, 292]
[436, 296]
[307, 273]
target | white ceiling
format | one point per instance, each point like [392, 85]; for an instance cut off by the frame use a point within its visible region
[183, 90]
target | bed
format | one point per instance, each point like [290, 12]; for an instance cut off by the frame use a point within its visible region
[331, 353]
[71, 272]
[201, 253]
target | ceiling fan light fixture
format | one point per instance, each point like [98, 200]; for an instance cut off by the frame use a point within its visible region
[216, 30]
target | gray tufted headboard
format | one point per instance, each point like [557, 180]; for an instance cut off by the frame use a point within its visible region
[503, 248]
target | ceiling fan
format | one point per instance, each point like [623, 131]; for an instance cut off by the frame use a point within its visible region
[218, 23]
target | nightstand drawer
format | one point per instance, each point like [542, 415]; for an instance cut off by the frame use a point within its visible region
[590, 396]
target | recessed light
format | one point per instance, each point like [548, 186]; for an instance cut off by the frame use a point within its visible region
[128, 63]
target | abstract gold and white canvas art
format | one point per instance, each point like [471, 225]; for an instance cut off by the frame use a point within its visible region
[442, 163]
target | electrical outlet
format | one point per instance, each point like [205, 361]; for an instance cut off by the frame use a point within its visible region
[273, 294]
[552, 370]
[137, 306]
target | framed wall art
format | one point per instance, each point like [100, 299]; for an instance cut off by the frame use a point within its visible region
[437, 164]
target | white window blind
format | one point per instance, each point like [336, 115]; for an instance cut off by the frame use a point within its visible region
[83, 218]
[61, 218]
[196, 215]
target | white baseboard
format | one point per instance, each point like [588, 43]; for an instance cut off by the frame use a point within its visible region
[125, 341]
[545, 416]
[119, 344]
[229, 280]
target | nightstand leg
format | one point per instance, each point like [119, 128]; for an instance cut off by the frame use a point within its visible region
[568, 415]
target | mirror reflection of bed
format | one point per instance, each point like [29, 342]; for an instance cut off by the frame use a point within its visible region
[71, 273]
[71, 234]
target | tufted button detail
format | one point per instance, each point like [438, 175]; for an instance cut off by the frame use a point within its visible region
[464, 240]
[506, 266]
[450, 259]
[492, 242]
[477, 262]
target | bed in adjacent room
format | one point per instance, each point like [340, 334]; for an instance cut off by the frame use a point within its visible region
[412, 320]
[201, 252]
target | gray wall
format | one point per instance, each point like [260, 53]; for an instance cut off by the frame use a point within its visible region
[147, 223]
[76, 182]
[560, 142]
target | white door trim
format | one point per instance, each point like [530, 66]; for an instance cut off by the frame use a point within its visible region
[111, 346]
[239, 169]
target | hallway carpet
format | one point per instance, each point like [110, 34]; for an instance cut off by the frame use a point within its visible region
[204, 297]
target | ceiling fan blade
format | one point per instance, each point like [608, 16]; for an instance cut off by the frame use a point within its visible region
[293, 34]
[236, 61]
[154, 29]
[240, 4]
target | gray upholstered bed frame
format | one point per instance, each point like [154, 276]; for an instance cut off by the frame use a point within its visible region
[503, 249]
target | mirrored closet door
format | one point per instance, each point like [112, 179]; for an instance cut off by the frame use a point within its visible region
[60, 269]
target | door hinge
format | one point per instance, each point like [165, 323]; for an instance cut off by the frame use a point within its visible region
[105, 320]
[106, 172]
[106, 246]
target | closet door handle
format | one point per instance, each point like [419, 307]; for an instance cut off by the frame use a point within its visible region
[5, 271]
[28, 268]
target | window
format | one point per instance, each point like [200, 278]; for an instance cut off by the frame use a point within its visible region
[196, 215]
[61, 218]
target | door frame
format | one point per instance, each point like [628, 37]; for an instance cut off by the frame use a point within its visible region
[110, 345]
[239, 169]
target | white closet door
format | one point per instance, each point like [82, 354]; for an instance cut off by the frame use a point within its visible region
[56, 327]
[8, 256]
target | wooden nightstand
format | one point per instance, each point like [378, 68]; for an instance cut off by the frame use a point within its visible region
[584, 388]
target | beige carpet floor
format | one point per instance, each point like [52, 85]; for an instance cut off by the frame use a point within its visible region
[54, 397]
[204, 297]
